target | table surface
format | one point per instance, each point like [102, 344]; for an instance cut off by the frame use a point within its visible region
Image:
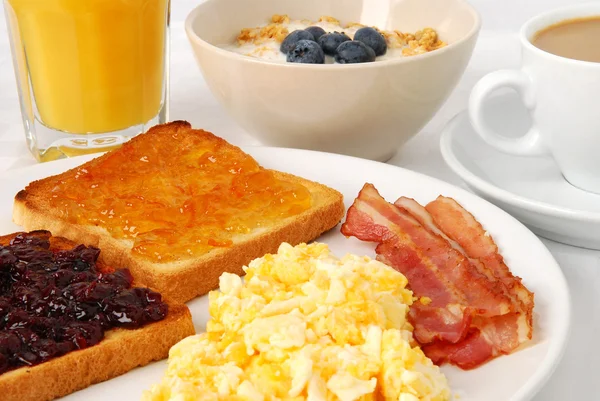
[497, 47]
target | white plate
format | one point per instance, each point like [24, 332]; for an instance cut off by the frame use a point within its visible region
[511, 378]
[530, 188]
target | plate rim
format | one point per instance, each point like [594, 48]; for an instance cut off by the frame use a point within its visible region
[558, 342]
[503, 195]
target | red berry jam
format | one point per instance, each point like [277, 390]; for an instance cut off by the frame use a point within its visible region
[54, 302]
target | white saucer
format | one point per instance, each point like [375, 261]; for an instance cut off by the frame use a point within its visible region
[530, 188]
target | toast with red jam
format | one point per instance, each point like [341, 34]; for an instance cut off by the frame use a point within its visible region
[68, 321]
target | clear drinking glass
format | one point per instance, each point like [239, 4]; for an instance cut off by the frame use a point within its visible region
[90, 73]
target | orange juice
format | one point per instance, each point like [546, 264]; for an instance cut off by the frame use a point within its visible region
[94, 65]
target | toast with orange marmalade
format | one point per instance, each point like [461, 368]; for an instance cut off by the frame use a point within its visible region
[178, 207]
[68, 321]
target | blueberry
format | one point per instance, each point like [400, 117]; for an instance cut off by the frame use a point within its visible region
[373, 39]
[290, 41]
[330, 42]
[307, 52]
[354, 52]
[316, 31]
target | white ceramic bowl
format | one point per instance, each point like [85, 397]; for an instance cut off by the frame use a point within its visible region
[366, 110]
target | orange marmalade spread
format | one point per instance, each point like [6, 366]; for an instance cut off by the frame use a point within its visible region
[178, 196]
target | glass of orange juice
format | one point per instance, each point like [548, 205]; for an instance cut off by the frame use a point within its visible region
[90, 73]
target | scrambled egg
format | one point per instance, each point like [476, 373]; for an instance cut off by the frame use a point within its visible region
[305, 325]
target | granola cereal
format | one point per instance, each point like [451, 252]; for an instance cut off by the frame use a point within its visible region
[327, 18]
[280, 19]
[264, 41]
[351, 25]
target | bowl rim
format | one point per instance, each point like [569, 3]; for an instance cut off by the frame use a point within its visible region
[195, 38]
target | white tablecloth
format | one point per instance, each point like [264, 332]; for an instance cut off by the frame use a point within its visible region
[576, 377]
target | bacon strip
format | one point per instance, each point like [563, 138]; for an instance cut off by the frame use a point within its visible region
[446, 318]
[503, 338]
[425, 278]
[487, 339]
[478, 309]
[481, 294]
[470, 353]
[432, 322]
[483, 266]
[420, 214]
[462, 227]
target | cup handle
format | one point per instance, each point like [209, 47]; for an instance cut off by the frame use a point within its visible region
[531, 143]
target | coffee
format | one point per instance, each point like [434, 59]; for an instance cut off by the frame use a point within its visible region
[576, 39]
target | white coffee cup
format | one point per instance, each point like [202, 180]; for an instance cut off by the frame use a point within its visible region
[563, 97]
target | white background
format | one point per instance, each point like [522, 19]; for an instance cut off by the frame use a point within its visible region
[576, 377]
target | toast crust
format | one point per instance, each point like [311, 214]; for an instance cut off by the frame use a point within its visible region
[183, 280]
[120, 351]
